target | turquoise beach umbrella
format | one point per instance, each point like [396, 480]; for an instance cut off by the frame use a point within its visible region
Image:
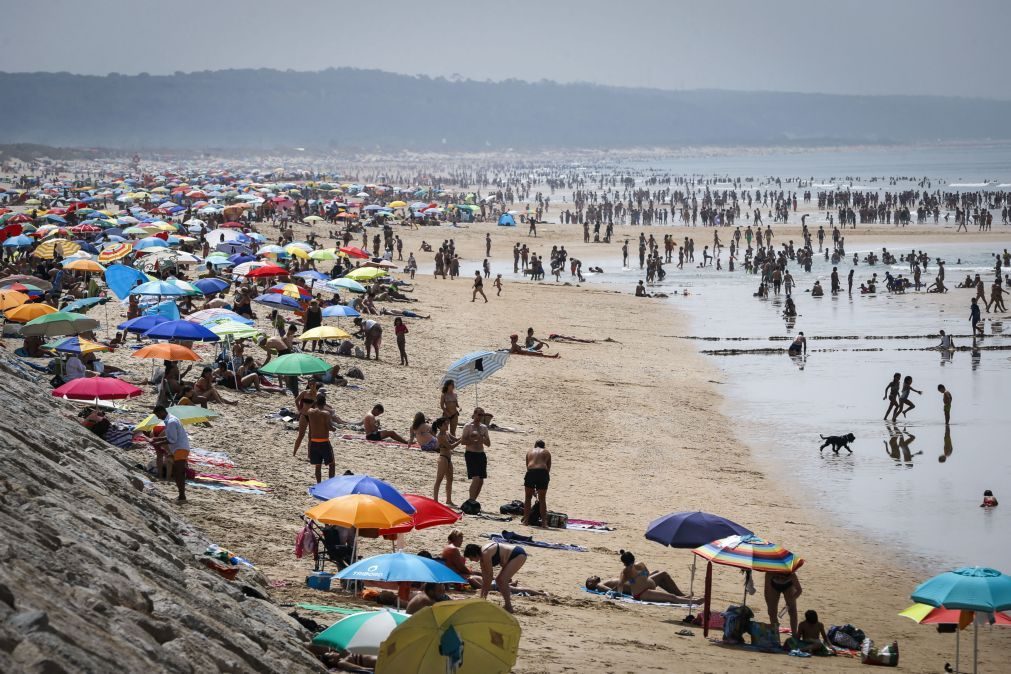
[361, 632]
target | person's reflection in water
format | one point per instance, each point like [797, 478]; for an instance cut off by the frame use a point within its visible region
[798, 360]
[946, 358]
[975, 356]
[905, 439]
[948, 449]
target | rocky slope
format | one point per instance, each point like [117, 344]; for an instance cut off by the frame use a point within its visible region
[97, 575]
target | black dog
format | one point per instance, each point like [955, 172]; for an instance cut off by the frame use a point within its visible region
[837, 442]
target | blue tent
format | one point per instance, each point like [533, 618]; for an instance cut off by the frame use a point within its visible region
[506, 220]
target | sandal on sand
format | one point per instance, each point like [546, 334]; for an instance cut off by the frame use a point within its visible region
[685, 633]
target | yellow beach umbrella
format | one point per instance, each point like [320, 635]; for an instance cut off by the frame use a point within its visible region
[47, 251]
[397, 204]
[478, 637]
[115, 252]
[85, 265]
[359, 511]
[324, 254]
[365, 273]
[324, 332]
[10, 299]
[187, 414]
[28, 312]
[297, 252]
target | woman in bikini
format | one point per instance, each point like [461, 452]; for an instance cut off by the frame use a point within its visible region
[445, 445]
[423, 432]
[505, 555]
[787, 585]
[636, 580]
[450, 406]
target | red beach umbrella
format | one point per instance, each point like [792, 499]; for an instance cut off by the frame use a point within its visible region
[428, 513]
[97, 388]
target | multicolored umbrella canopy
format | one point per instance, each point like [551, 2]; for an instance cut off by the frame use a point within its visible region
[427, 513]
[751, 553]
[295, 364]
[47, 250]
[359, 511]
[362, 632]
[342, 485]
[75, 345]
[187, 414]
[97, 388]
[925, 614]
[115, 252]
[338, 284]
[471, 636]
[400, 567]
[973, 588]
[59, 323]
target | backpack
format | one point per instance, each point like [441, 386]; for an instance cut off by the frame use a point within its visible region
[737, 621]
[846, 636]
[471, 507]
[512, 508]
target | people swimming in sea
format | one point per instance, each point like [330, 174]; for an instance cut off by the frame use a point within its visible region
[989, 500]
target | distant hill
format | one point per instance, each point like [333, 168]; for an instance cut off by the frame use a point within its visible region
[368, 109]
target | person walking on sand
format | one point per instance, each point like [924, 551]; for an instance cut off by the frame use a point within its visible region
[905, 404]
[478, 287]
[892, 393]
[946, 397]
[498, 285]
[400, 330]
[178, 447]
[975, 316]
[487, 245]
[475, 439]
[320, 422]
[537, 477]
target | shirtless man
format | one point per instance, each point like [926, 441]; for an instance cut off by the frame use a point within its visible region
[537, 479]
[516, 349]
[892, 393]
[532, 342]
[432, 594]
[372, 430]
[475, 438]
[319, 419]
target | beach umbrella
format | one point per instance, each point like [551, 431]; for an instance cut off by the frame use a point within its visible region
[400, 567]
[84, 303]
[291, 290]
[358, 511]
[217, 313]
[397, 204]
[342, 485]
[10, 299]
[295, 364]
[427, 513]
[235, 330]
[121, 279]
[361, 632]
[750, 553]
[925, 614]
[278, 301]
[141, 324]
[58, 323]
[691, 530]
[19, 241]
[166, 351]
[475, 368]
[313, 275]
[24, 278]
[323, 254]
[243, 267]
[270, 250]
[150, 242]
[84, 265]
[324, 332]
[312, 219]
[382, 264]
[187, 414]
[338, 284]
[471, 636]
[354, 251]
[339, 311]
[28, 312]
[973, 588]
[47, 250]
[75, 345]
[181, 330]
[97, 388]
[161, 289]
[26, 289]
[365, 273]
[209, 286]
[267, 271]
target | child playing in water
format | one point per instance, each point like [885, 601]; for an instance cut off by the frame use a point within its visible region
[946, 396]
[905, 404]
[989, 500]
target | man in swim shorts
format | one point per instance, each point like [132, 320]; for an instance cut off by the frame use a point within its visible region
[474, 438]
[372, 431]
[320, 422]
[536, 479]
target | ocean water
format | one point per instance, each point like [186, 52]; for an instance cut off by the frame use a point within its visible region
[914, 486]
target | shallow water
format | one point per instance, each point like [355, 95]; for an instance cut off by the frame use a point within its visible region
[893, 486]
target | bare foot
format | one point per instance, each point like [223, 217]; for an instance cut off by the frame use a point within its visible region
[451, 504]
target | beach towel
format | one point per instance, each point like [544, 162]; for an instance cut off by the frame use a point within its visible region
[629, 599]
[348, 437]
[321, 608]
[587, 525]
[231, 481]
[516, 539]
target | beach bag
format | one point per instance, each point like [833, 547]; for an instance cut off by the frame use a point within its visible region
[512, 508]
[846, 636]
[764, 636]
[887, 656]
[471, 507]
[305, 542]
[736, 621]
[355, 373]
[557, 520]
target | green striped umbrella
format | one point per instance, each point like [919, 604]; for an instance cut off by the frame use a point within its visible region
[362, 632]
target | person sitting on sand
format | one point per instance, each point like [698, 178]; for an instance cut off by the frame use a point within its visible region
[532, 343]
[431, 594]
[657, 586]
[421, 430]
[372, 431]
[517, 350]
[817, 290]
[205, 389]
[937, 286]
[810, 637]
[452, 556]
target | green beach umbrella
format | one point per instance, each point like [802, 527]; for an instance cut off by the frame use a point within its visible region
[362, 632]
[233, 329]
[295, 364]
[58, 323]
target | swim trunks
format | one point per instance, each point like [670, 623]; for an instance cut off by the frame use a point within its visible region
[374, 437]
[430, 446]
[320, 452]
[181, 455]
[536, 478]
[477, 464]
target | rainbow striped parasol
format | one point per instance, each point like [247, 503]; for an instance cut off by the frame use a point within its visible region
[750, 552]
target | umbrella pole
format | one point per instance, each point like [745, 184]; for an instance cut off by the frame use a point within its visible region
[975, 645]
[958, 641]
[691, 587]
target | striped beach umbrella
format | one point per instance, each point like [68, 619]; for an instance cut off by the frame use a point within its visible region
[751, 553]
[475, 367]
[47, 250]
[115, 252]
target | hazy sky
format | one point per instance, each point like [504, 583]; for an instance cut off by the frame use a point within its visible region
[845, 46]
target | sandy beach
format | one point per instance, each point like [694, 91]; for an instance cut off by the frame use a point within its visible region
[636, 429]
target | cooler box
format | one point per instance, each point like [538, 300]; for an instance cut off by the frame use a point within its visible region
[319, 580]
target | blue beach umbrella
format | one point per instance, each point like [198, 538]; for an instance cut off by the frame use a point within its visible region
[475, 367]
[400, 567]
[19, 241]
[690, 530]
[343, 485]
[141, 324]
[150, 242]
[338, 284]
[84, 303]
[339, 311]
[159, 289]
[278, 300]
[182, 330]
[211, 285]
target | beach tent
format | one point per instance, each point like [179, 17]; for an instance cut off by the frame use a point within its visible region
[506, 220]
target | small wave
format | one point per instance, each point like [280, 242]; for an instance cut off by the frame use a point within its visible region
[968, 184]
